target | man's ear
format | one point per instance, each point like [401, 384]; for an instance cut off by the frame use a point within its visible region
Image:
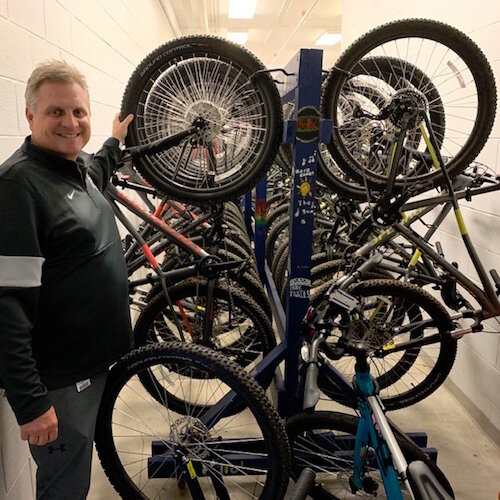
[29, 117]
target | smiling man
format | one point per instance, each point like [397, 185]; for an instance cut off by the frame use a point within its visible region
[59, 119]
[64, 314]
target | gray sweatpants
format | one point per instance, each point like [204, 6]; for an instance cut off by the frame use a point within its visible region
[64, 465]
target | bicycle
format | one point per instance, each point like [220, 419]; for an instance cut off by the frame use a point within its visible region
[460, 102]
[349, 452]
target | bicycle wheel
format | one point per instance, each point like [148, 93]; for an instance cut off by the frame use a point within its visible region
[391, 75]
[142, 443]
[460, 75]
[396, 312]
[241, 331]
[324, 441]
[210, 78]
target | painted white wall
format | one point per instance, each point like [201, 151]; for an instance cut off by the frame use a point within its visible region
[476, 373]
[105, 39]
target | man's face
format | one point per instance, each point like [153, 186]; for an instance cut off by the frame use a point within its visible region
[60, 121]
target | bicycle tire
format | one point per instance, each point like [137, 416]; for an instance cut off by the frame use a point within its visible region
[248, 335]
[281, 225]
[304, 443]
[410, 376]
[465, 51]
[211, 78]
[322, 273]
[277, 212]
[280, 261]
[122, 455]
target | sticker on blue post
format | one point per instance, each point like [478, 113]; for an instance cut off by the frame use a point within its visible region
[299, 288]
[307, 124]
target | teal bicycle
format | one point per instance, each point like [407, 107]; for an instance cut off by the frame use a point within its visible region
[351, 455]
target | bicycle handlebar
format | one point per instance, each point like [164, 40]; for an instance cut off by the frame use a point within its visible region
[349, 279]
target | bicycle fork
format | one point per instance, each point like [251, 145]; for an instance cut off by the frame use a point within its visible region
[373, 428]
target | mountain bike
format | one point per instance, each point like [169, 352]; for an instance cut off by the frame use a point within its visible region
[351, 454]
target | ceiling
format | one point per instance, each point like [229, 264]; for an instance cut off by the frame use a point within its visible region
[277, 31]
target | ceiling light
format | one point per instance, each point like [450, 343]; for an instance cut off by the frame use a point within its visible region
[328, 38]
[242, 9]
[240, 37]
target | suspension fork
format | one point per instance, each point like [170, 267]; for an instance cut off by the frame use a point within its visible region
[373, 428]
[392, 168]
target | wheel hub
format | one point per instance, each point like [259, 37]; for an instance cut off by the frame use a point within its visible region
[212, 115]
[370, 333]
[188, 430]
[409, 104]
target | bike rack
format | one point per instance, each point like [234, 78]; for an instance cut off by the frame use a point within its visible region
[303, 88]
[305, 131]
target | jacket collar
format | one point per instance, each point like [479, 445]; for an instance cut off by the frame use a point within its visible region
[52, 160]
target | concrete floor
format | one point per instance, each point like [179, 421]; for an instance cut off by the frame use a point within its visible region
[470, 460]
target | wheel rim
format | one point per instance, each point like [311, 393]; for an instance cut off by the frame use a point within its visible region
[217, 89]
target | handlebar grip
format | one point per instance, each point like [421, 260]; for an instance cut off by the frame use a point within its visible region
[304, 484]
[348, 280]
[372, 262]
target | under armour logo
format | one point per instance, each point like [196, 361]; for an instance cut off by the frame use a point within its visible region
[70, 195]
[60, 448]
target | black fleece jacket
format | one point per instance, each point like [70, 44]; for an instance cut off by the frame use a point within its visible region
[64, 313]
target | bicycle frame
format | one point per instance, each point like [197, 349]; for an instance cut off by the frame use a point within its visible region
[486, 297]
[116, 197]
[373, 418]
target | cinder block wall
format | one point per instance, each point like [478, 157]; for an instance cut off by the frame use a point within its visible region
[105, 39]
[475, 378]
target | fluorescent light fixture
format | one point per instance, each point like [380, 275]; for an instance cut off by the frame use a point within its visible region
[328, 38]
[240, 37]
[242, 9]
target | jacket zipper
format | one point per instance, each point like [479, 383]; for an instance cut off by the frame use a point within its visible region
[84, 183]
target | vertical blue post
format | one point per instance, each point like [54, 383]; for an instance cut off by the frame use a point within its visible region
[307, 94]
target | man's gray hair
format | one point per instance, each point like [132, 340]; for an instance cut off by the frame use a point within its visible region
[52, 71]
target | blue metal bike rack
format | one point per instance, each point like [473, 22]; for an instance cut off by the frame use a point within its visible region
[302, 87]
[304, 132]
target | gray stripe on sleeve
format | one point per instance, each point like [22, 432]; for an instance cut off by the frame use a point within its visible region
[24, 272]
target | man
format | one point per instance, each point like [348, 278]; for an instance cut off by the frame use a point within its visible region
[64, 315]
